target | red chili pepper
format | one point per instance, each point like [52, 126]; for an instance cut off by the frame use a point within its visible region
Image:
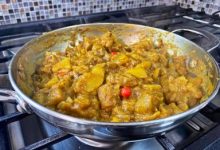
[126, 92]
[114, 53]
[62, 72]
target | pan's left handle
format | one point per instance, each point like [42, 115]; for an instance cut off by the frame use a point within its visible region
[11, 97]
[213, 40]
[7, 96]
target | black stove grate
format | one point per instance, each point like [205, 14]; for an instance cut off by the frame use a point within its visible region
[48, 141]
[177, 138]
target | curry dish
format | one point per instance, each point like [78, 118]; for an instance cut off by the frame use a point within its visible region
[103, 79]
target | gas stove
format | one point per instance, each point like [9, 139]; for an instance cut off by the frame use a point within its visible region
[31, 132]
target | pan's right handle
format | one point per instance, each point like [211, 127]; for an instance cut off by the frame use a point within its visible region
[213, 40]
[11, 97]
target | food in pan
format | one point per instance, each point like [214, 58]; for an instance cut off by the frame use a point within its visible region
[103, 79]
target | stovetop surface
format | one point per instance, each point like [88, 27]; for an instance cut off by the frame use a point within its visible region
[201, 132]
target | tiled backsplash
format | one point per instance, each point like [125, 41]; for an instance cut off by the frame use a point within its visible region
[209, 6]
[16, 11]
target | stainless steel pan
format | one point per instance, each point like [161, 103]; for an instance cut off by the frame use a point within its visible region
[23, 65]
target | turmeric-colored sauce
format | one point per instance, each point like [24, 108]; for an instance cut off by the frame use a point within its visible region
[103, 79]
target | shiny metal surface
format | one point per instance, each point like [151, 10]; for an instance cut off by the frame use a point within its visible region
[210, 37]
[23, 65]
[102, 144]
[8, 97]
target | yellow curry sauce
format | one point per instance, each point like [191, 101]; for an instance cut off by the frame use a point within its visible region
[105, 80]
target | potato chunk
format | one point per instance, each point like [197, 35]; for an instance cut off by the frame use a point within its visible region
[63, 64]
[144, 104]
[118, 115]
[55, 96]
[138, 72]
[89, 82]
[120, 59]
[51, 82]
[81, 102]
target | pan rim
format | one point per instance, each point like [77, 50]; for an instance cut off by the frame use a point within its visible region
[73, 119]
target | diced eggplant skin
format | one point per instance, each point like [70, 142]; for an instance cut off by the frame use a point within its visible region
[86, 81]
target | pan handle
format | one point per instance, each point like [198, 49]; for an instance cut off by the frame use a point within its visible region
[214, 40]
[11, 97]
[7, 96]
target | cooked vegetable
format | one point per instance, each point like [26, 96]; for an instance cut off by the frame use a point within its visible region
[52, 82]
[126, 92]
[144, 104]
[101, 78]
[114, 53]
[108, 96]
[138, 72]
[63, 64]
[92, 80]
[120, 59]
